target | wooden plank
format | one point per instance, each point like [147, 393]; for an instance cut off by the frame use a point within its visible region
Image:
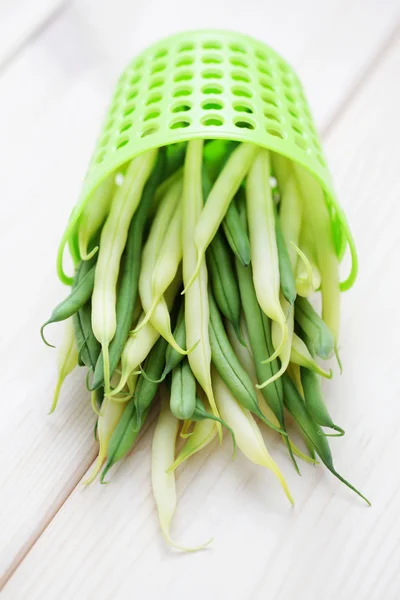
[21, 20]
[64, 88]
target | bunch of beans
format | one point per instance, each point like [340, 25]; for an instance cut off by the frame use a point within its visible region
[194, 268]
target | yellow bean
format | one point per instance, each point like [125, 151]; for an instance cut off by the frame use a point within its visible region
[196, 297]
[112, 244]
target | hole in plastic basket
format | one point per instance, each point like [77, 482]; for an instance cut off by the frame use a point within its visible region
[264, 69]
[212, 45]
[161, 53]
[262, 56]
[181, 107]
[271, 116]
[138, 63]
[283, 67]
[155, 83]
[270, 100]
[212, 89]
[104, 141]
[158, 68]
[100, 158]
[122, 143]
[118, 92]
[212, 104]
[241, 107]
[211, 120]
[109, 124]
[182, 91]
[240, 76]
[275, 132]
[293, 113]
[185, 61]
[180, 124]
[183, 76]
[153, 99]
[185, 47]
[211, 74]
[129, 108]
[297, 129]
[287, 81]
[211, 59]
[300, 142]
[125, 126]
[242, 91]
[290, 98]
[153, 114]
[149, 130]
[238, 61]
[132, 94]
[244, 123]
[315, 141]
[237, 48]
[135, 79]
[267, 84]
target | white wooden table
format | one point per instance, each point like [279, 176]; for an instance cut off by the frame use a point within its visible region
[58, 62]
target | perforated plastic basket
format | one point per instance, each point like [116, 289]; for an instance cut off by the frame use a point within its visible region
[210, 84]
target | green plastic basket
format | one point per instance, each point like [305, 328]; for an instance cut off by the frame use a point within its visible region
[210, 84]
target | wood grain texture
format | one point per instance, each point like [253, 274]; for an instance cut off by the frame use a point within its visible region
[20, 21]
[104, 541]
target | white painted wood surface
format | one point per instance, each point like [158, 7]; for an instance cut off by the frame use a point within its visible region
[104, 541]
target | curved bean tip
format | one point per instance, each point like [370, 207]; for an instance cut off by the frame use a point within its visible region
[93, 402]
[278, 350]
[339, 362]
[196, 272]
[160, 380]
[88, 256]
[271, 425]
[104, 473]
[42, 335]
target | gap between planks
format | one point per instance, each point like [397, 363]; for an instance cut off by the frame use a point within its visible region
[31, 36]
[358, 86]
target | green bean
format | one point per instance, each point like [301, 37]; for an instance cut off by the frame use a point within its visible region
[123, 438]
[200, 414]
[224, 282]
[259, 330]
[129, 274]
[236, 235]
[172, 356]
[287, 280]
[216, 153]
[146, 388]
[316, 329]
[312, 431]
[175, 157]
[311, 384]
[183, 391]
[88, 346]
[68, 307]
[90, 349]
[229, 367]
